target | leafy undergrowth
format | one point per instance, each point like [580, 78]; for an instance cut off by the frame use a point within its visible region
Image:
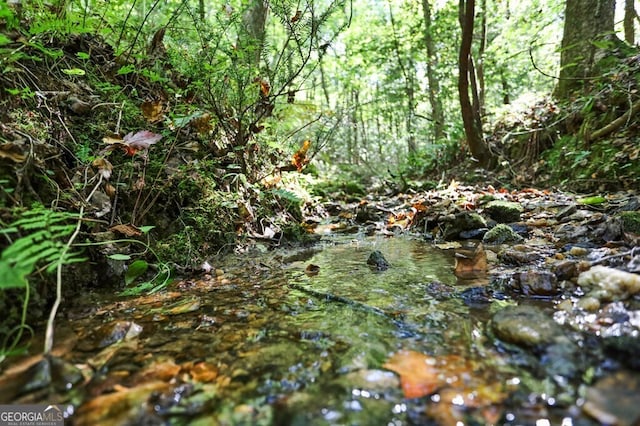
[161, 185]
[588, 144]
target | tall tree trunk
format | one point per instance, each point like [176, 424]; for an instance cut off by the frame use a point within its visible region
[434, 86]
[407, 73]
[629, 19]
[585, 21]
[472, 130]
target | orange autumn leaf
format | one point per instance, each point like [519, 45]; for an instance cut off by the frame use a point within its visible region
[471, 265]
[419, 206]
[422, 375]
[265, 87]
[300, 159]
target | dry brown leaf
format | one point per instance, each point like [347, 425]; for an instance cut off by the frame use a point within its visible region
[104, 167]
[8, 150]
[152, 111]
[300, 159]
[202, 123]
[295, 18]
[126, 230]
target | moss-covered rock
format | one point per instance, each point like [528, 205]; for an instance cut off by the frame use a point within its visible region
[504, 211]
[630, 222]
[500, 234]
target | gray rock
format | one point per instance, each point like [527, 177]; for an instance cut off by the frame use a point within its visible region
[525, 326]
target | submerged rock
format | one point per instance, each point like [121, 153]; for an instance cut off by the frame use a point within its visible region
[504, 211]
[525, 325]
[500, 234]
[537, 283]
[377, 261]
[613, 400]
[608, 284]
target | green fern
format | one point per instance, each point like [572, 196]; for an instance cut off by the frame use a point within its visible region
[41, 244]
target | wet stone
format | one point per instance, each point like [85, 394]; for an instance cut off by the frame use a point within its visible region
[377, 261]
[504, 211]
[525, 326]
[624, 349]
[630, 221]
[613, 400]
[609, 284]
[439, 291]
[463, 221]
[566, 269]
[537, 283]
[109, 334]
[566, 212]
[518, 257]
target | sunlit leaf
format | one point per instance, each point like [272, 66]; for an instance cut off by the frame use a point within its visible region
[136, 269]
[119, 256]
[300, 159]
[74, 71]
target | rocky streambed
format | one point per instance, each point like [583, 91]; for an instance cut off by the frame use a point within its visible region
[464, 305]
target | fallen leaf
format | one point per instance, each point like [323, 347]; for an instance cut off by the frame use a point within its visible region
[142, 139]
[202, 123]
[419, 373]
[126, 230]
[133, 143]
[152, 111]
[104, 167]
[312, 270]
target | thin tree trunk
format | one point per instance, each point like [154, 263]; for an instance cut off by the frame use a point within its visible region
[408, 87]
[254, 21]
[434, 86]
[472, 131]
[480, 65]
[629, 15]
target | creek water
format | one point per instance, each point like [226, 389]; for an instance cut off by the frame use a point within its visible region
[267, 339]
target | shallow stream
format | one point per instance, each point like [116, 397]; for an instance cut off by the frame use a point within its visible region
[301, 338]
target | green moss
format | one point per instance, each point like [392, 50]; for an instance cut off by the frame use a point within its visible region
[504, 211]
[500, 234]
[630, 222]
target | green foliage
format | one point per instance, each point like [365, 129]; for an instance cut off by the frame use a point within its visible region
[40, 246]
